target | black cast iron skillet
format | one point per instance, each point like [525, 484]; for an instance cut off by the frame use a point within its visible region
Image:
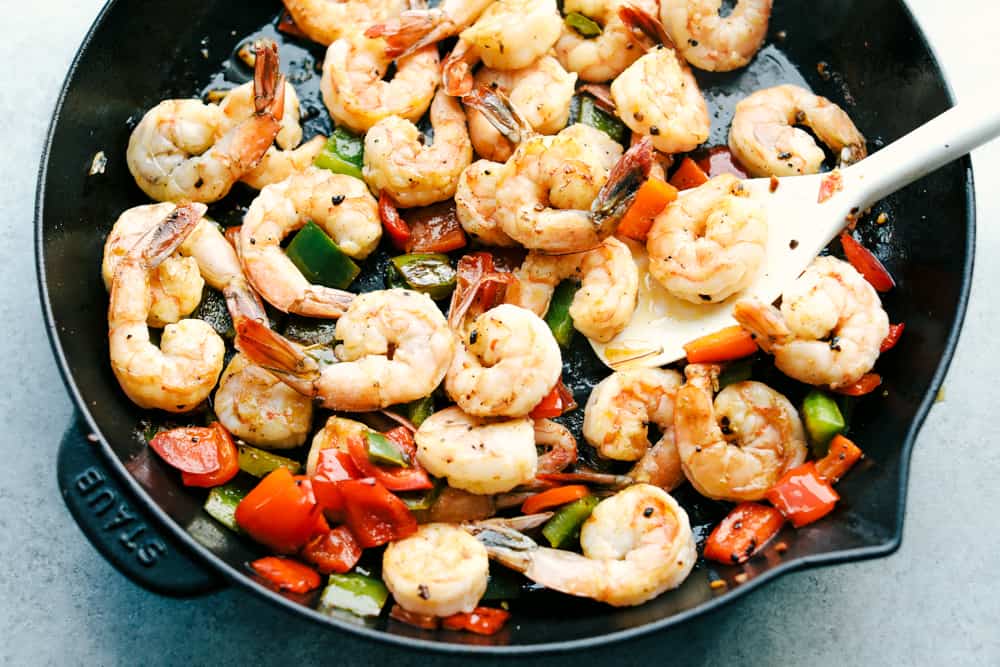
[135, 510]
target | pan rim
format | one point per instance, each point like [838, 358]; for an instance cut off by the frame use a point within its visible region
[204, 556]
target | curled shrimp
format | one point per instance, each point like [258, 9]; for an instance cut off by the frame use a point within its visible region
[355, 92]
[657, 95]
[417, 28]
[481, 456]
[438, 571]
[395, 348]
[506, 365]
[739, 447]
[710, 243]
[763, 137]
[606, 300]
[476, 204]
[602, 58]
[340, 204]
[712, 42]
[558, 447]
[542, 92]
[397, 160]
[829, 329]
[324, 21]
[636, 545]
[187, 150]
[181, 372]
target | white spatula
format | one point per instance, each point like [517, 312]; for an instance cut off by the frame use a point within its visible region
[799, 227]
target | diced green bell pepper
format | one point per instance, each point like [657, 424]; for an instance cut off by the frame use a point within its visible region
[419, 410]
[591, 114]
[564, 526]
[422, 500]
[584, 25]
[430, 273]
[221, 504]
[319, 259]
[558, 317]
[738, 371]
[822, 420]
[260, 463]
[343, 153]
[383, 451]
[356, 593]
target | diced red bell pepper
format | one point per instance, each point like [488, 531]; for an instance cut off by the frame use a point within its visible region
[332, 466]
[557, 402]
[889, 342]
[867, 264]
[229, 463]
[395, 227]
[280, 512]
[868, 383]
[435, 228]
[481, 620]
[395, 478]
[720, 160]
[286, 574]
[744, 532]
[191, 449]
[334, 551]
[839, 459]
[688, 175]
[561, 495]
[802, 495]
[374, 515]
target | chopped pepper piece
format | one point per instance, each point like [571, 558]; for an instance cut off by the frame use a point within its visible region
[744, 532]
[228, 460]
[419, 410]
[332, 466]
[688, 175]
[333, 551]
[280, 512]
[221, 504]
[802, 495]
[319, 259]
[481, 621]
[558, 317]
[343, 153]
[286, 574]
[868, 383]
[822, 420]
[383, 451]
[561, 495]
[258, 462]
[564, 526]
[584, 25]
[412, 478]
[374, 515]
[395, 227]
[650, 200]
[867, 264]
[889, 342]
[591, 114]
[727, 344]
[430, 273]
[435, 228]
[356, 593]
[557, 402]
[839, 460]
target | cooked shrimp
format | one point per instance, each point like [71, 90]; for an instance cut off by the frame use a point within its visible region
[622, 405]
[440, 570]
[606, 300]
[737, 449]
[829, 329]
[181, 373]
[475, 454]
[395, 348]
[277, 165]
[254, 405]
[187, 150]
[324, 21]
[658, 96]
[355, 92]
[397, 160]
[602, 58]
[710, 243]
[712, 42]
[558, 444]
[507, 365]
[636, 545]
[542, 92]
[476, 204]
[763, 137]
[414, 29]
[340, 204]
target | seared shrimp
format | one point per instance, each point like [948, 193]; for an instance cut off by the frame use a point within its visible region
[542, 92]
[606, 300]
[475, 454]
[507, 365]
[187, 150]
[710, 42]
[558, 445]
[602, 58]
[324, 21]
[254, 405]
[476, 204]
[763, 137]
[395, 348]
[417, 28]
[355, 92]
[737, 449]
[340, 204]
[710, 243]
[829, 329]
[180, 373]
[438, 571]
[658, 96]
[636, 545]
[397, 160]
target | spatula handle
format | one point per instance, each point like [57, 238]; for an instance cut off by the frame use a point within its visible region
[932, 145]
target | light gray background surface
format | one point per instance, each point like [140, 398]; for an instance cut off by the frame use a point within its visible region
[938, 597]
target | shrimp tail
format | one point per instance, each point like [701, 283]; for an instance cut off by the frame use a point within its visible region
[616, 196]
[277, 354]
[517, 523]
[500, 112]
[243, 302]
[505, 545]
[456, 70]
[638, 20]
[764, 321]
[320, 301]
[163, 240]
[267, 80]
[407, 33]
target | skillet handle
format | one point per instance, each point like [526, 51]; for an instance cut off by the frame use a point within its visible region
[115, 523]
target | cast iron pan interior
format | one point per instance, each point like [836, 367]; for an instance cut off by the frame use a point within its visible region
[877, 65]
